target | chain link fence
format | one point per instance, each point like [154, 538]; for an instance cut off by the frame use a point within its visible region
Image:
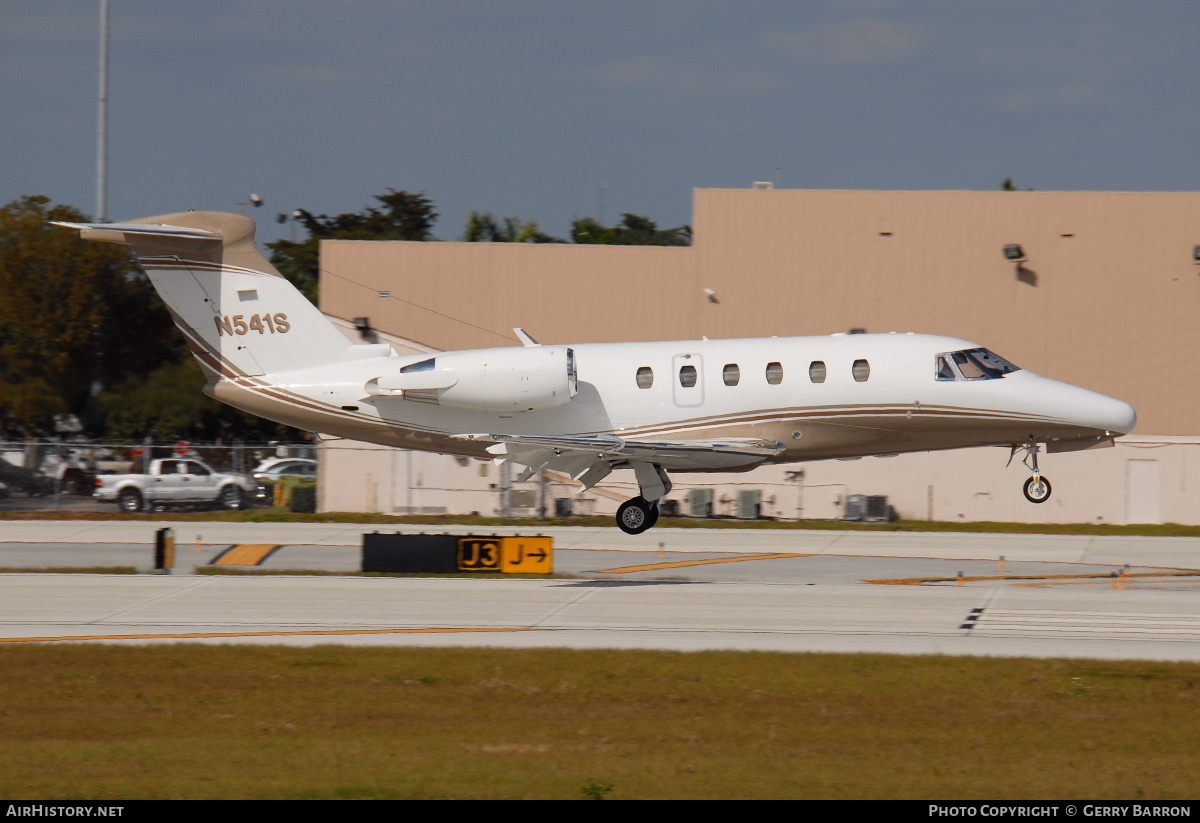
[61, 474]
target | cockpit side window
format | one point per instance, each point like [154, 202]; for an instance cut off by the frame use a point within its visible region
[944, 371]
[972, 364]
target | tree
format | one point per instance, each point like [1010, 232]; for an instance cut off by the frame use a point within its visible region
[1007, 184]
[483, 228]
[74, 317]
[633, 230]
[169, 403]
[403, 216]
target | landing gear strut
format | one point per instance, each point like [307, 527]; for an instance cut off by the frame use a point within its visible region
[1037, 488]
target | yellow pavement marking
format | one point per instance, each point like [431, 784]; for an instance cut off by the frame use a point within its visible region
[191, 635]
[1044, 579]
[682, 563]
[246, 554]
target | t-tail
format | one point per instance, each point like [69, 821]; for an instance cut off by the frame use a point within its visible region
[240, 316]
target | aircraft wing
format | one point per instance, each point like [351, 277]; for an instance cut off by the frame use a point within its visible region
[590, 459]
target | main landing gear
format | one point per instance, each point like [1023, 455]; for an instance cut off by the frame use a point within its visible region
[1037, 488]
[637, 515]
[641, 513]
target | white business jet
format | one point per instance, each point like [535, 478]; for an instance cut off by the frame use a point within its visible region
[684, 406]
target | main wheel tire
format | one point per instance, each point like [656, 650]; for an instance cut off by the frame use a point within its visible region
[130, 500]
[636, 516]
[1037, 490]
[230, 498]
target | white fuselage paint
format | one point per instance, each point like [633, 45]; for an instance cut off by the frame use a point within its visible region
[900, 407]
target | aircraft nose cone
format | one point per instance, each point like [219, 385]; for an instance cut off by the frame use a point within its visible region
[1122, 415]
[1110, 414]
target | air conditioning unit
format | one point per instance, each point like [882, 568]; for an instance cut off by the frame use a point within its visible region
[749, 504]
[854, 507]
[877, 509]
[700, 502]
[866, 508]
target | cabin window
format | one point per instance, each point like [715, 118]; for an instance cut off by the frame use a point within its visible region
[687, 376]
[645, 377]
[774, 373]
[861, 371]
[731, 374]
[816, 371]
[944, 371]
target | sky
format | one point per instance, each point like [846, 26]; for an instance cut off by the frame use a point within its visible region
[552, 110]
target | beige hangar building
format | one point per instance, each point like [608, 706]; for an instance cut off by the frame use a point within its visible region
[1105, 294]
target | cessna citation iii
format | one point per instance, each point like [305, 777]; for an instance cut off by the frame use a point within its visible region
[584, 410]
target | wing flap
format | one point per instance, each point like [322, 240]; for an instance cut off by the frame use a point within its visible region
[676, 455]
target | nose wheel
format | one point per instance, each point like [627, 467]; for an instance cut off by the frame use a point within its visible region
[1037, 488]
[636, 516]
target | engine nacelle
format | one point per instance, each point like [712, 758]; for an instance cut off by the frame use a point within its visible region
[498, 380]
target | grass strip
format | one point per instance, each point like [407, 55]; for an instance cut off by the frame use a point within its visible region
[204, 721]
[69, 570]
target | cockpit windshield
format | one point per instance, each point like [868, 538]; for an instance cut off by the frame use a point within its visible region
[971, 364]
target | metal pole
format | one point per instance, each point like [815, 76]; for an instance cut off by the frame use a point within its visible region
[505, 485]
[102, 125]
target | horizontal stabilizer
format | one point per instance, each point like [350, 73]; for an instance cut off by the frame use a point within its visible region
[95, 231]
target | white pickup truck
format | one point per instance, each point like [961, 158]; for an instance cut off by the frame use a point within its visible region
[175, 481]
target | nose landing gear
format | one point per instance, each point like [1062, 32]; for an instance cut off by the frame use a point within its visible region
[1037, 488]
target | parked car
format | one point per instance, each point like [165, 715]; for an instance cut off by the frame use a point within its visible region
[280, 467]
[176, 481]
[286, 471]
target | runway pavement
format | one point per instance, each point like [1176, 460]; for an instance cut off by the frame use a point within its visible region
[898, 592]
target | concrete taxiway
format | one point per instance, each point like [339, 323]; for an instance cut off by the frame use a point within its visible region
[685, 589]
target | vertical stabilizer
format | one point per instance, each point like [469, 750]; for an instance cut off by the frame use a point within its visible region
[239, 315]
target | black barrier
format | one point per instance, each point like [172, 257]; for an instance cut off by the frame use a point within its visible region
[164, 549]
[414, 553]
[456, 554]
